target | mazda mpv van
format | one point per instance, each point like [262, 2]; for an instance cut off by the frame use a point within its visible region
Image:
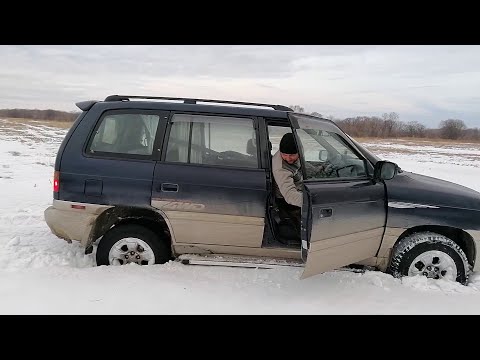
[153, 179]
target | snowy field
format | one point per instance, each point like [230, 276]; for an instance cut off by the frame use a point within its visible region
[41, 274]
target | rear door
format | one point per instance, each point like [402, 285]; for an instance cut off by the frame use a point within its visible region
[344, 213]
[210, 183]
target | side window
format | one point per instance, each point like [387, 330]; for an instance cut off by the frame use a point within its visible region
[313, 151]
[212, 140]
[125, 134]
[275, 134]
[327, 156]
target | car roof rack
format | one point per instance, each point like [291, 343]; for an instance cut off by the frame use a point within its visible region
[193, 101]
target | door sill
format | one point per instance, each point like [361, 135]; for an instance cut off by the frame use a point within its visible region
[238, 261]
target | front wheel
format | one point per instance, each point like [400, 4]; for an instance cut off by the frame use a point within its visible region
[132, 243]
[429, 254]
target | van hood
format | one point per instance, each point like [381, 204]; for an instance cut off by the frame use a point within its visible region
[408, 187]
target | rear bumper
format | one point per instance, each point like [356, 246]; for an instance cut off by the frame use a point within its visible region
[72, 224]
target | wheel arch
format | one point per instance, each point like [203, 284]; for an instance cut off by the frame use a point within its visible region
[459, 236]
[122, 215]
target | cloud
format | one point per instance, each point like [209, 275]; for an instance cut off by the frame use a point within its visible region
[423, 83]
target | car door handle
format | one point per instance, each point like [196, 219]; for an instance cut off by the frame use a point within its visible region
[325, 213]
[169, 187]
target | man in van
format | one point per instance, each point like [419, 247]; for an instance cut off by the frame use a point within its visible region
[288, 184]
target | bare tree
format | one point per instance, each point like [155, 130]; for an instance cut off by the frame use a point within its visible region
[452, 128]
[297, 108]
[391, 124]
[316, 114]
[414, 129]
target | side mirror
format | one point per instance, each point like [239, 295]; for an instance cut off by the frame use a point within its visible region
[322, 155]
[384, 170]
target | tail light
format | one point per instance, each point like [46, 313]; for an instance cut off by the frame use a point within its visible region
[56, 181]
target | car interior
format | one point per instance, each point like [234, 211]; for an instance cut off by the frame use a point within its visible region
[282, 231]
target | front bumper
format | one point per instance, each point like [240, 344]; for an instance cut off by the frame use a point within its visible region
[72, 224]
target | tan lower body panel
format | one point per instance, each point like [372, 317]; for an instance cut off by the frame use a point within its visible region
[368, 262]
[214, 229]
[389, 239]
[475, 234]
[340, 251]
[72, 224]
[235, 250]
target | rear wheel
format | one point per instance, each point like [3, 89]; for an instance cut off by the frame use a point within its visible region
[132, 243]
[429, 254]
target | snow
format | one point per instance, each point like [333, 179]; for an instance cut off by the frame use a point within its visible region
[41, 274]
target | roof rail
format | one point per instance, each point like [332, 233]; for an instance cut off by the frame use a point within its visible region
[193, 101]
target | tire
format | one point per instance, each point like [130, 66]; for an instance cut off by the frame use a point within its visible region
[132, 243]
[429, 254]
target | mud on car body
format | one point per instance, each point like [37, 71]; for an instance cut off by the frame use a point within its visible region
[150, 179]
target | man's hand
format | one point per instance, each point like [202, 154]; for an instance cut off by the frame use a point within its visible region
[328, 169]
[320, 171]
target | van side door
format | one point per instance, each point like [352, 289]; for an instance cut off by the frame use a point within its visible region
[210, 183]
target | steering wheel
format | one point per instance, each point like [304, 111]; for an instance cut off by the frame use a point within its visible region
[344, 167]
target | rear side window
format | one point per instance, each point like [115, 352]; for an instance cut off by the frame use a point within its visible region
[212, 140]
[275, 134]
[125, 134]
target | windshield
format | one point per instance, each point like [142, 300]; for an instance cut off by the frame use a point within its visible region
[313, 124]
[369, 155]
[326, 133]
[327, 151]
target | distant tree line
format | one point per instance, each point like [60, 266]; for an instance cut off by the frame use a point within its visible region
[389, 125]
[52, 115]
[386, 126]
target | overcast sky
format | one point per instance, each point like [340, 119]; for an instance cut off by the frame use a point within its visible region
[425, 83]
